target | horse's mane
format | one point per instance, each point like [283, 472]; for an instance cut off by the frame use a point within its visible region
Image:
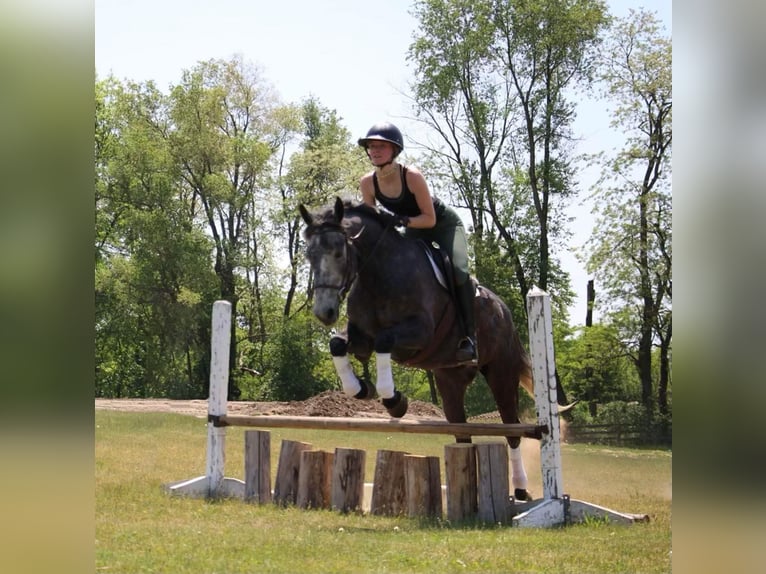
[362, 209]
[326, 215]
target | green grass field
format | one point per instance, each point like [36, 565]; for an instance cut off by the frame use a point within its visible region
[139, 528]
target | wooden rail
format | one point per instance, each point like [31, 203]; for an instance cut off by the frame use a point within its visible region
[384, 425]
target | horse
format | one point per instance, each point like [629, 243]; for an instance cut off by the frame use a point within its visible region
[398, 310]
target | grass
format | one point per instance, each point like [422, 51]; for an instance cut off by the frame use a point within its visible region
[139, 528]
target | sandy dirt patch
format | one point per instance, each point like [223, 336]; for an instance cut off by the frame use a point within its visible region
[326, 404]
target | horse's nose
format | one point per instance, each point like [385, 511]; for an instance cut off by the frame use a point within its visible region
[330, 315]
[327, 315]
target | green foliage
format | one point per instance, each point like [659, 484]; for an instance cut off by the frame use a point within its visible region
[154, 284]
[493, 80]
[594, 367]
[631, 252]
[622, 413]
[294, 353]
[478, 398]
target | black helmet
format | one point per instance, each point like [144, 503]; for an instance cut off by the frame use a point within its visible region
[384, 131]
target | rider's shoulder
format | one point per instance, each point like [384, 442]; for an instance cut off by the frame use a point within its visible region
[366, 180]
[409, 168]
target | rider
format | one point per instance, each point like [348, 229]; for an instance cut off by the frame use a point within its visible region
[403, 191]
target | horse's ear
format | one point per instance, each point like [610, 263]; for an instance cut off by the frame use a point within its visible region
[305, 215]
[338, 209]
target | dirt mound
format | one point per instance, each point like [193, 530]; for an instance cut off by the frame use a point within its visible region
[337, 404]
[326, 404]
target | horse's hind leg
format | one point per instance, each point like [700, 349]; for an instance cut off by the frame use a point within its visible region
[506, 393]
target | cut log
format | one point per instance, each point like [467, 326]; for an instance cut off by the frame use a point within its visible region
[288, 469]
[258, 466]
[423, 487]
[460, 468]
[348, 479]
[314, 479]
[388, 489]
[494, 503]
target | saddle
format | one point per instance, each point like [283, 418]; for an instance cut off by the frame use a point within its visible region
[441, 265]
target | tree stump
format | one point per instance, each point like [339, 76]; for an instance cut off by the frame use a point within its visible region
[288, 469]
[348, 479]
[258, 466]
[460, 467]
[423, 486]
[388, 488]
[493, 493]
[314, 479]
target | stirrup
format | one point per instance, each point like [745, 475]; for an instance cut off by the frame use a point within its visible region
[466, 352]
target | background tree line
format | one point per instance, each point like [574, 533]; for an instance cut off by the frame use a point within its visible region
[197, 192]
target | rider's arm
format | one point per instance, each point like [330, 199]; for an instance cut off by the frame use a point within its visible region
[368, 189]
[418, 186]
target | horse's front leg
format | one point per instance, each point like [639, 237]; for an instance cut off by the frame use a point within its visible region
[339, 349]
[408, 333]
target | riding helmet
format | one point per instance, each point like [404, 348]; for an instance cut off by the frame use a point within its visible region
[384, 131]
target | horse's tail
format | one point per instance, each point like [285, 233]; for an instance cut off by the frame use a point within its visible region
[526, 380]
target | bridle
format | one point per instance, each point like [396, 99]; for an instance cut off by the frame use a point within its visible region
[351, 263]
[352, 259]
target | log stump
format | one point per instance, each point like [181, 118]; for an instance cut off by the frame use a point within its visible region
[460, 468]
[493, 493]
[288, 469]
[258, 466]
[423, 486]
[314, 479]
[347, 485]
[388, 488]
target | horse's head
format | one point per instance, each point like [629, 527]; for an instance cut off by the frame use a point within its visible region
[330, 254]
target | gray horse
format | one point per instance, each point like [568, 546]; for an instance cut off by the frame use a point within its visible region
[399, 310]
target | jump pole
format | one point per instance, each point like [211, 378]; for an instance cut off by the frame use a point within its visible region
[555, 508]
[214, 484]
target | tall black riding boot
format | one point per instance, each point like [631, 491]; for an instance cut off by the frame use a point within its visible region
[466, 351]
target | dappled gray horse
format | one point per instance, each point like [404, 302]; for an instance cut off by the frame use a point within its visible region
[398, 309]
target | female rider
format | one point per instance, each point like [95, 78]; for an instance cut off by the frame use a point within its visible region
[403, 191]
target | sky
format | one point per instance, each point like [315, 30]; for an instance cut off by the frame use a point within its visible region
[348, 54]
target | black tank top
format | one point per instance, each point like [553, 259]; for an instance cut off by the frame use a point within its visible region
[406, 203]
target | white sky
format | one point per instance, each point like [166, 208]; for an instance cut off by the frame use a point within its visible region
[349, 54]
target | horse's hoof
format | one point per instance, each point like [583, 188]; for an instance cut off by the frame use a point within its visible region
[521, 494]
[367, 392]
[396, 405]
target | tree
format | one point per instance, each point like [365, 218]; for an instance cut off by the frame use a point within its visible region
[631, 251]
[223, 137]
[594, 367]
[492, 78]
[152, 262]
[325, 164]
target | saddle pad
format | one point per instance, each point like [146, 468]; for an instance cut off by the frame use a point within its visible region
[437, 271]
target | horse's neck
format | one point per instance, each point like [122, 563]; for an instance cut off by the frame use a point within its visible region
[373, 244]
